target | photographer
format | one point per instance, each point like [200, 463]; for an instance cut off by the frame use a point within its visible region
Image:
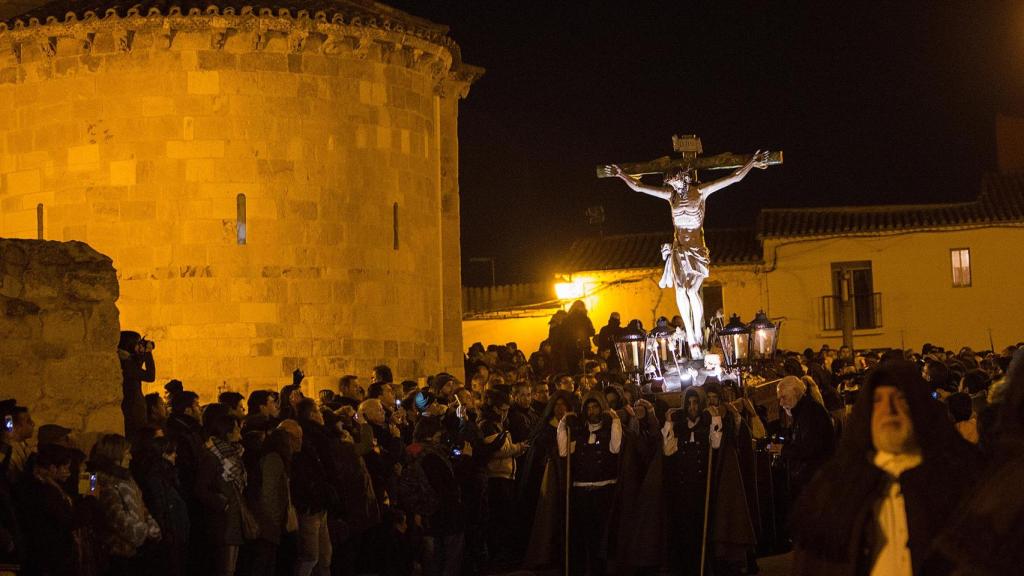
[501, 471]
[136, 356]
[437, 499]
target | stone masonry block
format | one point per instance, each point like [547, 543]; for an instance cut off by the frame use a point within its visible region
[123, 173]
[258, 313]
[383, 138]
[203, 82]
[195, 149]
[199, 170]
[86, 156]
[24, 182]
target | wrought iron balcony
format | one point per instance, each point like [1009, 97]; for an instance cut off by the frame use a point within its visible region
[867, 312]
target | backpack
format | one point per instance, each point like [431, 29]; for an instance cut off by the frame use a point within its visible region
[415, 494]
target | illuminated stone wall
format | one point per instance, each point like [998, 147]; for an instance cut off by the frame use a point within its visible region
[137, 134]
[59, 332]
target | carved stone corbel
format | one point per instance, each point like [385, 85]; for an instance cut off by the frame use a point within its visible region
[297, 41]
[333, 45]
[411, 56]
[387, 51]
[261, 38]
[48, 47]
[124, 39]
[167, 37]
[220, 37]
[87, 42]
[359, 45]
[457, 83]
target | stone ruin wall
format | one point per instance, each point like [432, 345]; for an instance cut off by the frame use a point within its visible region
[58, 334]
[137, 133]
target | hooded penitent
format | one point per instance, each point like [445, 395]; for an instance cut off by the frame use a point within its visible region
[834, 532]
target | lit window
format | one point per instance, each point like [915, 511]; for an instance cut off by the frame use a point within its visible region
[240, 219]
[961, 261]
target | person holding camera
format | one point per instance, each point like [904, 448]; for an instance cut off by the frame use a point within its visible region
[500, 453]
[136, 356]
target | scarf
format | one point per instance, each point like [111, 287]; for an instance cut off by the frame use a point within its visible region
[111, 469]
[230, 456]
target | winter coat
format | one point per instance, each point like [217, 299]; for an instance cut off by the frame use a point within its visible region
[311, 491]
[520, 422]
[47, 521]
[162, 493]
[126, 523]
[811, 444]
[359, 507]
[438, 469]
[187, 434]
[274, 498]
[221, 502]
[502, 463]
[133, 403]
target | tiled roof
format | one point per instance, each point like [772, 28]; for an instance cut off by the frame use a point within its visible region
[1001, 201]
[727, 246]
[360, 12]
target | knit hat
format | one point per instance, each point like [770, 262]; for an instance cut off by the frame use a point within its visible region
[51, 434]
[423, 399]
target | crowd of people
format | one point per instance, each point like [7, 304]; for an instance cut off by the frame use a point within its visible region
[885, 463]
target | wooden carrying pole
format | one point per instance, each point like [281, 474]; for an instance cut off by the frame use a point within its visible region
[707, 502]
[568, 492]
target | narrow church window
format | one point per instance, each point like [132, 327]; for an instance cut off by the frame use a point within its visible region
[240, 219]
[394, 225]
[961, 262]
[39, 221]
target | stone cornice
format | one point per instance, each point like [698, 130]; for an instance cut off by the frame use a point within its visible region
[248, 31]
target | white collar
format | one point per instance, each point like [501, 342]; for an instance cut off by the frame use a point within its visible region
[896, 464]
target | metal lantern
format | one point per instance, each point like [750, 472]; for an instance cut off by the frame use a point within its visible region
[660, 338]
[734, 339]
[764, 337]
[631, 346]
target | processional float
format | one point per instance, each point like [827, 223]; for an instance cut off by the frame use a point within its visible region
[667, 359]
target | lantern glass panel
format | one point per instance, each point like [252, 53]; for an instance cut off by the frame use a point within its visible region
[734, 348]
[632, 354]
[763, 337]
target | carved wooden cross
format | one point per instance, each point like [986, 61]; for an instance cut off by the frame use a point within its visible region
[690, 148]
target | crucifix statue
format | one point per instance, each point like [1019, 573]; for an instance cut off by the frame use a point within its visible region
[687, 258]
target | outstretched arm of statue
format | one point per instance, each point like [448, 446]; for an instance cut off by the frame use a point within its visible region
[636, 184]
[758, 160]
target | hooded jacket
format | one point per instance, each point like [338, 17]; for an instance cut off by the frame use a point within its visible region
[502, 463]
[585, 440]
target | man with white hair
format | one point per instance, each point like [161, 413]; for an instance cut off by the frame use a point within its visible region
[811, 439]
[383, 441]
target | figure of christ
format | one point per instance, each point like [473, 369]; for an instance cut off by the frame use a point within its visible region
[687, 258]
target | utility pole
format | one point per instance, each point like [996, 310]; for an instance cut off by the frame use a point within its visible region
[846, 297]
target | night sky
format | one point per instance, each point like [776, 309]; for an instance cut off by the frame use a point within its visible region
[890, 102]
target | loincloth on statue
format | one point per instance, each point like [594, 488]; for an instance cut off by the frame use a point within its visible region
[688, 258]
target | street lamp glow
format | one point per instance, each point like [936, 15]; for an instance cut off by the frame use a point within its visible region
[569, 290]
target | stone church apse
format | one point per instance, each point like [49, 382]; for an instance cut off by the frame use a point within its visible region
[276, 189]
